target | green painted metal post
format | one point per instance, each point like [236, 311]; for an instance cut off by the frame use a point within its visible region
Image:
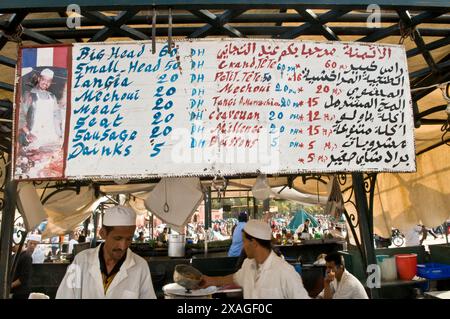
[6, 235]
[96, 215]
[364, 226]
[266, 205]
[208, 208]
[255, 208]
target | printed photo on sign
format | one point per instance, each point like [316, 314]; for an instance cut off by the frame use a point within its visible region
[41, 113]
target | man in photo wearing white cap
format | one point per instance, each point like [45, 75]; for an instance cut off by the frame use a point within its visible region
[43, 118]
[111, 270]
[20, 286]
[263, 274]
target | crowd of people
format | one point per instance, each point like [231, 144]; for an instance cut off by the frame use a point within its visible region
[326, 228]
[223, 229]
[194, 232]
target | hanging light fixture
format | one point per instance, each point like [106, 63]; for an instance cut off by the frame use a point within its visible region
[219, 183]
[261, 190]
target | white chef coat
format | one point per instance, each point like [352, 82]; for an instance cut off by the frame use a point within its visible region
[83, 279]
[72, 242]
[38, 255]
[348, 288]
[274, 279]
[44, 124]
[301, 228]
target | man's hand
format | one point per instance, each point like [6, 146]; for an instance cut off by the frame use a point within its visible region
[218, 281]
[330, 277]
[206, 281]
[327, 289]
[15, 283]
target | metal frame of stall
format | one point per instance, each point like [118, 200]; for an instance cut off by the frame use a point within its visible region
[140, 20]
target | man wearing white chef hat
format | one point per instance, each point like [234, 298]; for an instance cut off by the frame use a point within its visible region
[38, 254]
[32, 241]
[111, 270]
[263, 274]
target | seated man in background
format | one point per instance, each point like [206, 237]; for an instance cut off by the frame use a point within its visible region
[304, 231]
[339, 283]
[164, 236]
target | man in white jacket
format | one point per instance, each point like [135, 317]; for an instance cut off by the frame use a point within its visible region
[339, 283]
[263, 274]
[111, 270]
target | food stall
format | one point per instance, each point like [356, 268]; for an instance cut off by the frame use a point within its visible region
[160, 118]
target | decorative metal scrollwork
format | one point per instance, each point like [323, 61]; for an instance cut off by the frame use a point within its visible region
[369, 182]
[3, 168]
[57, 187]
[342, 179]
[316, 177]
[445, 129]
[19, 230]
[369, 188]
[44, 200]
[352, 219]
[38, 183]
[348, 199]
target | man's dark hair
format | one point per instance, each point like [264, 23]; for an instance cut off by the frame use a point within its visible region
[243, 217]
[336, 258]
[265, 243]
[307, 220]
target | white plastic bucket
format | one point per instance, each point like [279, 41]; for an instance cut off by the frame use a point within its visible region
[388, 269]
[177, 244]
